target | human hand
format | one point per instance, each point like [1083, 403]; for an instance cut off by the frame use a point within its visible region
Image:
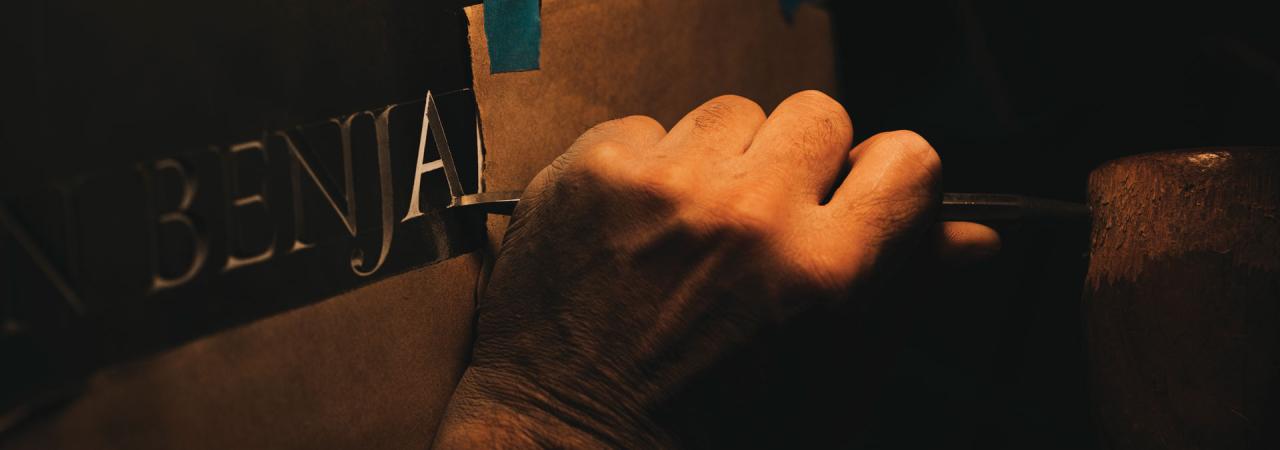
[639, 257]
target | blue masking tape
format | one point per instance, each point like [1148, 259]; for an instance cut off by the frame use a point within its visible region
[514, 31]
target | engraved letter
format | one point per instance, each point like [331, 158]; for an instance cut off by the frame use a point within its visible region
[346, 213]
[178, 216]
[384, 184]
[431, 124]
[295, 186]
[235, 234]
[42, 261]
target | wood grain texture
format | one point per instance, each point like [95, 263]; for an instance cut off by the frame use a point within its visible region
[1182, 299]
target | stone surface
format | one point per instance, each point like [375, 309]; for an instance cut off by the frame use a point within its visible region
[1182, 299]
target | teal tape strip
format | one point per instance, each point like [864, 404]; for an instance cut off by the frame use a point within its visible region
[514, 31]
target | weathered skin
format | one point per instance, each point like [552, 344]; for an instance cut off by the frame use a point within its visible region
[641, 256]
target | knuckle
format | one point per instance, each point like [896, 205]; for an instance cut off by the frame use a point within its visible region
[738, 103]
[814, 97]
[822, 133]
[665, 182]
[620, 129]
[828, 120]
[911, 148]
[600, 129]
[602, 161]
[639, 123]
[909, 143]
[712, 116]
[721, 111]
[820, 104]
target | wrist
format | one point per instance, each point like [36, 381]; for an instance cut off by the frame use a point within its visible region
[492, 409]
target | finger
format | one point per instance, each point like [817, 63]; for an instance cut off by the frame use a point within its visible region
[963, 243]
[631, 133]
[722, 126]
[890, 191]
[804, 141]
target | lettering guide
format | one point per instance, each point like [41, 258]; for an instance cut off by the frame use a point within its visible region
[138, 258]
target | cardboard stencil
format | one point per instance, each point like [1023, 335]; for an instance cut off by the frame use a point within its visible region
[660, 58]
[371, 368]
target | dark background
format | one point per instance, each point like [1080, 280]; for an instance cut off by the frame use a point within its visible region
[1023, 98]
[1028, 97]
[93, 86]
